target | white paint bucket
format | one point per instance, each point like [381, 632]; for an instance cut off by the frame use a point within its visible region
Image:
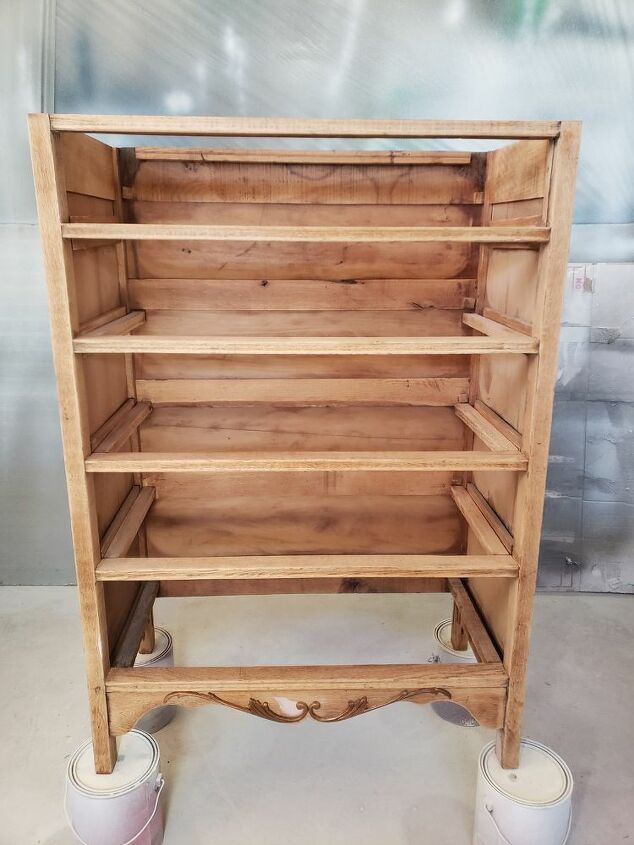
[162, 655]
[530, 805]
[444, 653]
[123, 808]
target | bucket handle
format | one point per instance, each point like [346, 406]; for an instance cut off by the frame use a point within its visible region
[160, 781]
[505, 841]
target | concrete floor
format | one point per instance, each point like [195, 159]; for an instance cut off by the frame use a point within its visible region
[400, 775]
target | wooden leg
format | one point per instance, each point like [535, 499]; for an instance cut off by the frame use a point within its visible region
[459, 639]
[148, 640]
[105, 751]
[507, 746]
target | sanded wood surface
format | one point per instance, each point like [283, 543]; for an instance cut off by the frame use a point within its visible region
[129, 418]
[290, 127]
[302, 346]
[489, 434]
[119, 326]
[129, 642]
[302, 156]
[431, 391]
[479, 638]
[477, 522]
[313, 234]
[303, 462]
[252, 678]
[300, 294]
[125, 527]
[307, 566]
[329, 371]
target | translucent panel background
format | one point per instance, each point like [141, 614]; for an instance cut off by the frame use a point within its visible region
[368, 58]
[460, 59]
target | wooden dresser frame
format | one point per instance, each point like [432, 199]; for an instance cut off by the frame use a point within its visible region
[507, 213]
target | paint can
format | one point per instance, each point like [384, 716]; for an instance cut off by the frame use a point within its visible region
[122, 808]
[162, 655]
[444, 653]
[524, 806]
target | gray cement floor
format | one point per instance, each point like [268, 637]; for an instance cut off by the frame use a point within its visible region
[396, 776]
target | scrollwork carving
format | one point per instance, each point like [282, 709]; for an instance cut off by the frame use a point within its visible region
[262, 709]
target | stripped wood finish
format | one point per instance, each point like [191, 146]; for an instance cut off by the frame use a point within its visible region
[288, 371]
[312, 234]
[302, 566]
[303, 462]
[512, 343]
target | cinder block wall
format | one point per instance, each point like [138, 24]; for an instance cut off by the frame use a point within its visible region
[588, 534]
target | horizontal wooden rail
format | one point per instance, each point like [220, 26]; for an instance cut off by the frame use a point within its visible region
[477, 522]
[313, 391]
[270, 678]
[128, 419]
[119, 326]
[127, 522]
[304, 461]
[288, 127]
[483, 429]
[312, 234]
[307, 566]
[203, 345]
[386, 157]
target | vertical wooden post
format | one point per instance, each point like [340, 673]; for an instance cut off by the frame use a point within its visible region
[58, 263]
[459, 638]
[149, 640]
[532, 484]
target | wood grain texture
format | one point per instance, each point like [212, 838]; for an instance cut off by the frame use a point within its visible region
[198, 486]
[307, 186]
[300, 294]
[385, 157]
[530, 493]
[129, 418]
[303, 462]
[118, 542]
[492, 518]
[352, 359]
[264, 678]
[58, 263]
[311, 234]
[271, 427]
[289, 127]
[298, 586]
[307, 566]
[131, 636]
[479, 638]
[87, 166]
[432, 391]
[477, 523]
[304, 346]
[287, 260]
[119, 326]
[519, 171]
[336, 213]
[278, 523]
[496, 421]
[421, 323]
[484, 430]
[491, 328]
